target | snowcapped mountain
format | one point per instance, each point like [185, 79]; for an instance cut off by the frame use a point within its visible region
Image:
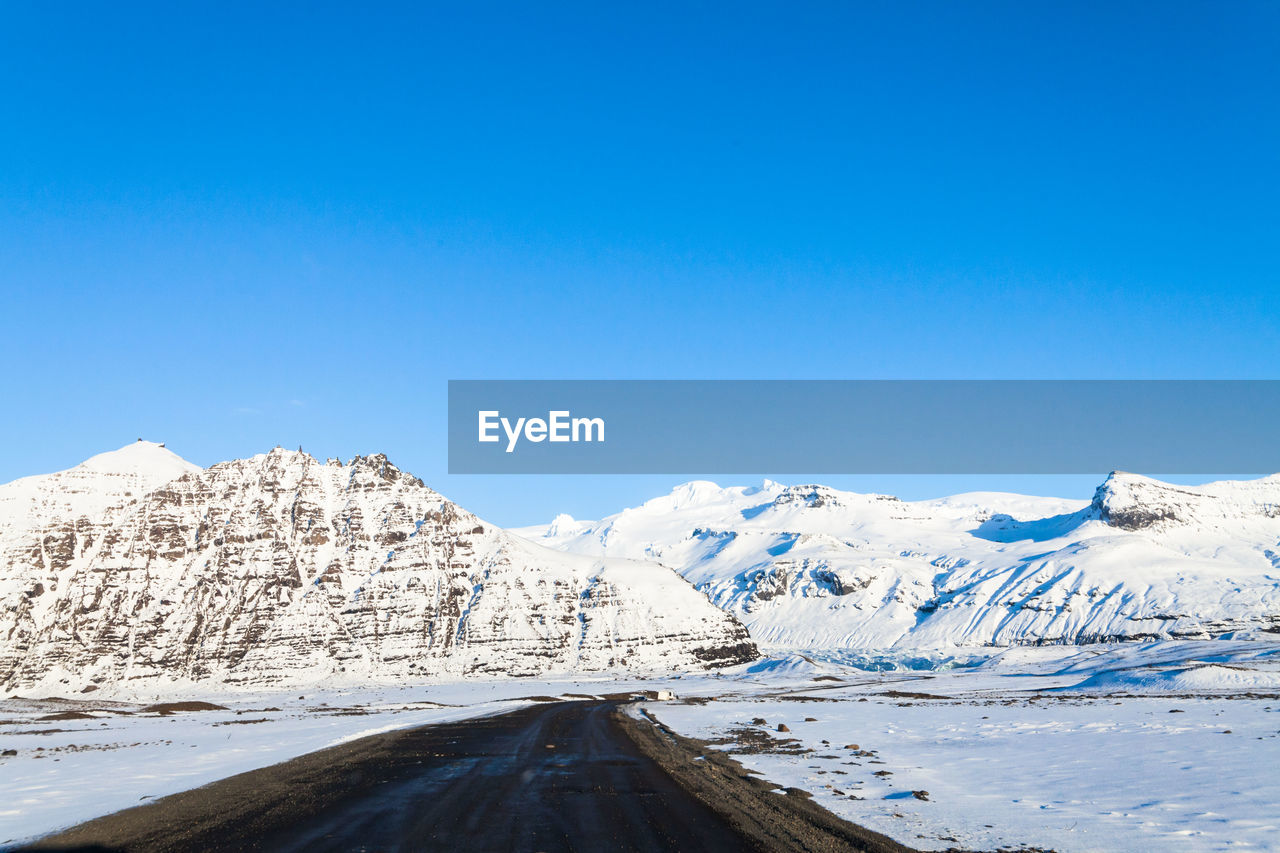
[137, 566]
[94, 486]
[813, 567]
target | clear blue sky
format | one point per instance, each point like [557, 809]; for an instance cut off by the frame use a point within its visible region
[230, 227]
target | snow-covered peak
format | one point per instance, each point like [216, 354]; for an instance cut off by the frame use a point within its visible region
[766, 485]
[809, 566]
[647, 531]
[102, 481]
[280, 569]
[564, 525]
[819, 497]
[148, 459]
[685, 495]
[1134, 502]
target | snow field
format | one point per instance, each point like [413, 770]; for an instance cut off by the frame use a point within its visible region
[1029, 755]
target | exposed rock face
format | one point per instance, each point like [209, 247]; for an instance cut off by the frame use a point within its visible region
[1132, 502]
[280, 569]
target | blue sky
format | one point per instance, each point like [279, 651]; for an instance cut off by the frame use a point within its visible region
[228, 228]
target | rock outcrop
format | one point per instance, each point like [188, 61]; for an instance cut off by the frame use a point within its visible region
[280, 569]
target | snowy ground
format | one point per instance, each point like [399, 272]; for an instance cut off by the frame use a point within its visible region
[1162, 747]
[71, 768]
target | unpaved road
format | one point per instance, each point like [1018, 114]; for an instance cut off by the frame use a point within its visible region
[553, 777]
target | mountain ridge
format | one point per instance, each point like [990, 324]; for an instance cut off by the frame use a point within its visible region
[279, 569]
[809, 566]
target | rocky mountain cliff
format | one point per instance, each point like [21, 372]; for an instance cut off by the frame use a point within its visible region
[812, 567]
[137, 567]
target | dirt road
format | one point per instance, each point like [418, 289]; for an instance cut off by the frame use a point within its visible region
[552, 777]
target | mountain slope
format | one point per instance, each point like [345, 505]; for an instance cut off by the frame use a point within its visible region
[92, 487]
[279, 569]
[810, 567]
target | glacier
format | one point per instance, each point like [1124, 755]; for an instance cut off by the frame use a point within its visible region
[811, 567]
